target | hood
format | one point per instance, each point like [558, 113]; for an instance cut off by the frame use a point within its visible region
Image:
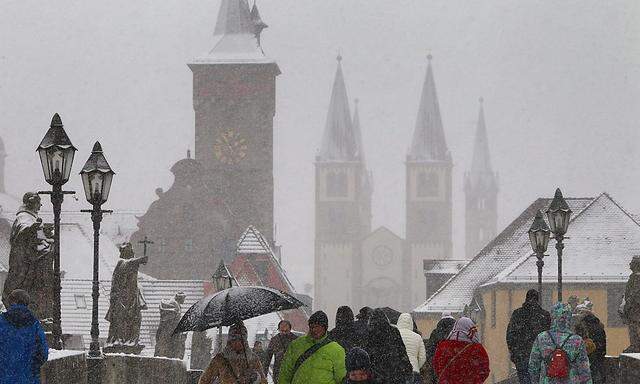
[405, 322]
[344, 317]
[561, 318]
[20, 316]
[379, 321]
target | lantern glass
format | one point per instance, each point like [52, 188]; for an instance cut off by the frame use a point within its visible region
[97, 186]
[539, 241]
[559, 221]
[56, 163]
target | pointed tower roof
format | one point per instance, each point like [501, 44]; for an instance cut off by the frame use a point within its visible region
[481, 163]
[357, 131]
[252, 242]
[341, 142]
[429, 142]
[236, 37]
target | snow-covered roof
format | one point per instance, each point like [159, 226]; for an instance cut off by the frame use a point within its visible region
[445, 266]
[508, 247]
[76, 306]
[600, 244]
[236, 37]
[252, 242]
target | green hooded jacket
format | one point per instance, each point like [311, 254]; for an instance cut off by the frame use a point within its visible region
[325, 366]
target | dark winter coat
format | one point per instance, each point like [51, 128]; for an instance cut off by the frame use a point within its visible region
[589, 326]
[471, 366]
[277, 347]
[344, 333]
[526, 323]
[440, 333]
[389, 360]
[361, 329]
[23, 347]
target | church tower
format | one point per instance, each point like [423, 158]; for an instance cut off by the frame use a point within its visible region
[481, 194]
[343, 204]
[428, 191]
[234, 103]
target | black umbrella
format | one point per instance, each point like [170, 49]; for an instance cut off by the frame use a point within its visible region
[227, 307]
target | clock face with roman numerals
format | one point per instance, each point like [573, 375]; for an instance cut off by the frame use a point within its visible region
[230, 147]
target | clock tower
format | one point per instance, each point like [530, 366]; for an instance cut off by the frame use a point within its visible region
[234, 103]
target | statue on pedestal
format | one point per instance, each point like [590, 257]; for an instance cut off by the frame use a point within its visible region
[126, 303]
[31, 258]
[168, 344]
[630, 307]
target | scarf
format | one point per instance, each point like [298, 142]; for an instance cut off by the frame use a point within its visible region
[465, 330]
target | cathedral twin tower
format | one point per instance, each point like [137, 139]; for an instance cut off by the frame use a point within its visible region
[357, 267]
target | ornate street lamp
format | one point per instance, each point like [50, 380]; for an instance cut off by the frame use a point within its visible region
[559, 215]
[539, 234]
[222, 279]
[56, 155]
[96, 178]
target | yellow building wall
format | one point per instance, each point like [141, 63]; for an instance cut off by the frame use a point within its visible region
[508, 299]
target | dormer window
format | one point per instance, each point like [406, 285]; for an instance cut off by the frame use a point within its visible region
[81, 302]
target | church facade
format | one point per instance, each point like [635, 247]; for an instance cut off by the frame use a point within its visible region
[228, 184]
[358, 266]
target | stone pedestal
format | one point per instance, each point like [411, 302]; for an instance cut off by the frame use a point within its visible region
[123, 348]
[95, 369]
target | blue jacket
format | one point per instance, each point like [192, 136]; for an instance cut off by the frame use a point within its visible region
[23, 347]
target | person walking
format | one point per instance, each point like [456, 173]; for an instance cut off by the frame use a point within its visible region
[314, 358]
[23, 346]
[361, 325]
[359, 368]
[344, 333]
[389, 360]
[592, 331]
[524, 327]
[413, 344]
[461, 359]
[236, 364]
[558, 355]
[277, 347]
[440, 333]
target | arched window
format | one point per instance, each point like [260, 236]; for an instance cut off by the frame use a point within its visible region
[480, 234]
[427, 184]
[482, 203]
[337, 184]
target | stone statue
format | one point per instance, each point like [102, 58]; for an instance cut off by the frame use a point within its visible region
[631, 306]
[200, 350]
[168, 344]
[124, 314]
[31, 258]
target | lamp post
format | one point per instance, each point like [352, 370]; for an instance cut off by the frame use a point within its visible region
[539, 234]
[222, 279]
[559, 215]
[96, 179]
[56, 156]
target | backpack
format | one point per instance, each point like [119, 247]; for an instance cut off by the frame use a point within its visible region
[558, 363]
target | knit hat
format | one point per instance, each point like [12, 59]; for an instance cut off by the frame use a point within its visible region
[319, 318]
[357, 359]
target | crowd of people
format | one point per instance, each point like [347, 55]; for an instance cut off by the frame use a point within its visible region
[567, 345]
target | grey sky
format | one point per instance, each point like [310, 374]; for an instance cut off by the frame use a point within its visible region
[561, 82]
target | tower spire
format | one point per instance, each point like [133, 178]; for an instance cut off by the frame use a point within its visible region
[237, 34]
[428, 141]
[340, 140]
[481, 162]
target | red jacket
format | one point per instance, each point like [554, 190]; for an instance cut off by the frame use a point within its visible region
[470, 367]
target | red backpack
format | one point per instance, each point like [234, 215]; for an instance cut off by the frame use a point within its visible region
[558, 363]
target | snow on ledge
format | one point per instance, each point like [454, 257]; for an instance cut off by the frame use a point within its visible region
[55, 354]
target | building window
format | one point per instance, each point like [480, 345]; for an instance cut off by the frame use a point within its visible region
[493, 309]
[427, 184]
[482, 203]
[614, 299]
[337, 184]
[81, 302]
[163, 246]
[480, 234]
[188, 245]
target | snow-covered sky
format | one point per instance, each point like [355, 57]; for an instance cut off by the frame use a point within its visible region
[561, 83]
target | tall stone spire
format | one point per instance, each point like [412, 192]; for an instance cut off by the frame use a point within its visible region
[356, 128]
[236, 35]
[341, 141]
[429, 142]
[481, 169]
